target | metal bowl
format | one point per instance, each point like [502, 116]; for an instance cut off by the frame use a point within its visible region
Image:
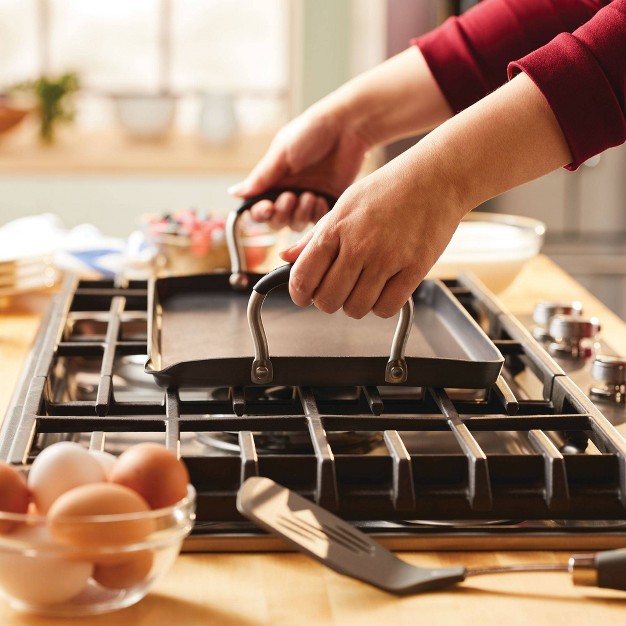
[493, 246]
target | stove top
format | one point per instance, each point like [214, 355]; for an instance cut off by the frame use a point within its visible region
[532, 462]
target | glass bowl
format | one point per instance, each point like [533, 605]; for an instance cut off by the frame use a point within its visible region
[493, 246]
[110, 562]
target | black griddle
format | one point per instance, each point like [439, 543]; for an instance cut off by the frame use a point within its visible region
[199, 336]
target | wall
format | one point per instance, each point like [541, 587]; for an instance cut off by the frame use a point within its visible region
[112, 203]
[585, 214]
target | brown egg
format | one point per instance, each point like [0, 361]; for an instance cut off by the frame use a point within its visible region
[70, 517]
[132, 569]
[153, 472]
[14, 495]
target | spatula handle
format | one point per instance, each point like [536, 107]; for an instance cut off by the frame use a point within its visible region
[603, 569]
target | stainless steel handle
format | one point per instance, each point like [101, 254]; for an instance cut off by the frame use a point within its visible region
[238, 277]
[262, 373]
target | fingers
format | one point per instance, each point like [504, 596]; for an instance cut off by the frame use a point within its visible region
[395, 293]
[262, 211]
[314, 259]
[365, 293]
[303, 212]
[331, 280]
[290, 210]
[283, 210]
[336, 284]
[278, 213]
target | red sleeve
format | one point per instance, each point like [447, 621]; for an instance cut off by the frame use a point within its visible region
[468, 55]
[582, 76]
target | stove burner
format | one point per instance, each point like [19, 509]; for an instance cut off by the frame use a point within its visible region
[292, 442]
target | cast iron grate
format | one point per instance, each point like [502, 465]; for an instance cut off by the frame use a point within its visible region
[100, 322]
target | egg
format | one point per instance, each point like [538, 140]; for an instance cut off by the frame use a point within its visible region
[130, 570]
[41, 578]
[14, 495]
[70, 517]
[60, 467]
[152, 471]
[106, 459]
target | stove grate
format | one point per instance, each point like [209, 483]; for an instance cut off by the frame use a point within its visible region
[569, 461]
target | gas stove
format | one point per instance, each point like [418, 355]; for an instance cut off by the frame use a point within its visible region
[538, 460]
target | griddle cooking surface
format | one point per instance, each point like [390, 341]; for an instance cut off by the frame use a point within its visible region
[201, 335]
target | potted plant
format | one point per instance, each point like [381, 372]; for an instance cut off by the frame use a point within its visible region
[54, 101]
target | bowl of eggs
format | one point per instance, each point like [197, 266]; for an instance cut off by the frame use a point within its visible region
[83, 532]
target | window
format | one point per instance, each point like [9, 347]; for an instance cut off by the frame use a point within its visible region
[188, 47]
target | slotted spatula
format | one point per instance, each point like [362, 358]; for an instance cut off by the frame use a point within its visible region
[345, 549]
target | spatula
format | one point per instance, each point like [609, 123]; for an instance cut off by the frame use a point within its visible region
[345, 549]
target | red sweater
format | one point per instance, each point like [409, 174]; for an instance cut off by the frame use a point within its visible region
[573, 50]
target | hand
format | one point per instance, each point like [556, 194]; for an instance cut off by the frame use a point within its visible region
[388, 229]
[318, 150]
[375, 247]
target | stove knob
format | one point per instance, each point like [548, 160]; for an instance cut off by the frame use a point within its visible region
[609, 369]
[571, 334]
[610, 372]
[546, 310]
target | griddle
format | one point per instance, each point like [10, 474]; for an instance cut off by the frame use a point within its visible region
[199, 336]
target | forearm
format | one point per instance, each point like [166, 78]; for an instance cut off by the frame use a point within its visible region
[399, 98]
[508, 138]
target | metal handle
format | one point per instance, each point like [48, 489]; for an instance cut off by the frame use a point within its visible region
[238, 278]
[262, 371]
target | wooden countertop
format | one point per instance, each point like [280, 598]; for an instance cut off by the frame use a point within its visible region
[111, 152]
[288, 589]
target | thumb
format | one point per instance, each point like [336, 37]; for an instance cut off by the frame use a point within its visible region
[289, 255]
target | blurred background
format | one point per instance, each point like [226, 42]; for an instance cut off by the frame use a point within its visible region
[111, 111]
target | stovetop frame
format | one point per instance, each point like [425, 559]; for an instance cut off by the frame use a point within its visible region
[496, 491]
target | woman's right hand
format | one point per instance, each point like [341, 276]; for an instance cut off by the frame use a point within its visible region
[317, 150]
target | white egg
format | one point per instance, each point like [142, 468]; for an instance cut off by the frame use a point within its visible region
[60, 467]
[106, 459]
[40, 578]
